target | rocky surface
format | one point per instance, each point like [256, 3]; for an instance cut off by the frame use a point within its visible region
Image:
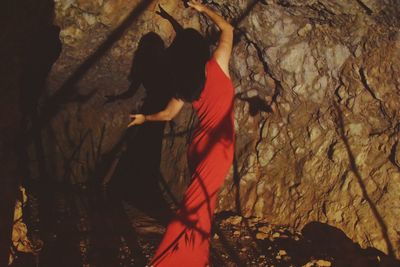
[329, 152]
[90, 229]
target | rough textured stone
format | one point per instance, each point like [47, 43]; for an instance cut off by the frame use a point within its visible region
[330, 152]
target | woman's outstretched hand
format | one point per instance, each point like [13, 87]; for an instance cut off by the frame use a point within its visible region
[137, 119]
[196, 4]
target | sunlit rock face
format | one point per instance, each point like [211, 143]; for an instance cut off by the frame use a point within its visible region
[329, 151]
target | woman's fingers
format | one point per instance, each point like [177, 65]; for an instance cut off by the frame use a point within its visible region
[133, 122]
[195, 4]
[136, 119]
[192, 3]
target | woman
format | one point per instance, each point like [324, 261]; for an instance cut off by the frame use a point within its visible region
[210, 153]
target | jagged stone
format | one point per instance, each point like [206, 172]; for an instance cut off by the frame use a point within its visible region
[234, 220]
[261, 235]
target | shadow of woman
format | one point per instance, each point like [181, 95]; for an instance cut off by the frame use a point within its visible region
[136, 175]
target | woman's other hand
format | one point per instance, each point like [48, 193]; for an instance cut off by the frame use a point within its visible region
[137, 119]
[196, 5]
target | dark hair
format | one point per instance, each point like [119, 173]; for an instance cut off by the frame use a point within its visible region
[149, 52]
[188, 55]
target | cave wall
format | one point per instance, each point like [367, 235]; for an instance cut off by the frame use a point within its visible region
[316, 109]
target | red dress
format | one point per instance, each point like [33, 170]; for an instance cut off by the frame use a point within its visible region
[210, 155]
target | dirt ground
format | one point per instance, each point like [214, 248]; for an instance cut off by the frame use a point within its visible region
[85, 228]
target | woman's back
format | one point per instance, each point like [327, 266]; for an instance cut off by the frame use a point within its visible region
[213, 139]
[215, 106]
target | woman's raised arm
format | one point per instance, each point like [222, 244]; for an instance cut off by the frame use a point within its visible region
[224, 48]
